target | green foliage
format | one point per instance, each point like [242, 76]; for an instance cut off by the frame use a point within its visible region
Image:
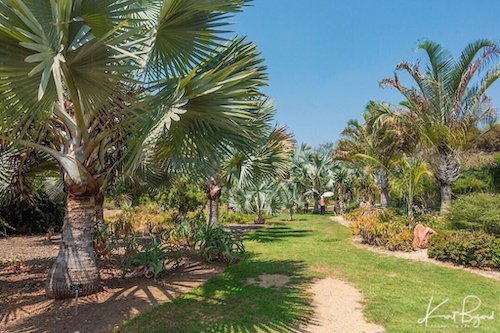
[212, 243]
[183, 197]
[470, 183]
[432, 220]
[385, 229]
[476, 212]
[476, 249]
[235, 218]
[36, 216]
[151, 258]
[216, 244]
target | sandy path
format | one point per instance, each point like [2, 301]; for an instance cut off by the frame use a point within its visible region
[338, 308]
[419, 255]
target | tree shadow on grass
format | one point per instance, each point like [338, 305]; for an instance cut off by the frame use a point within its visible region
[276, 233]
[230, 303]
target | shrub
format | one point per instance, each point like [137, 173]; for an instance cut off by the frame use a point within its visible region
[432, 220]
[236, 218]
[470, 182]
[384, 229]
[476, 249]
[216, 244]
[151, 258]
[476, 212]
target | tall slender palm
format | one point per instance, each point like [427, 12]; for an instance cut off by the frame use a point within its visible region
[372, 145]
[97, 83]
[446, 101]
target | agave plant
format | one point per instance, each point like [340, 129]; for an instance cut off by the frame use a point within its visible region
[102, 85]
[446, 102]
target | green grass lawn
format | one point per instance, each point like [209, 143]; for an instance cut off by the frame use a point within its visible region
[396, 291]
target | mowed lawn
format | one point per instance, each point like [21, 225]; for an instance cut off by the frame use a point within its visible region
[396, 291]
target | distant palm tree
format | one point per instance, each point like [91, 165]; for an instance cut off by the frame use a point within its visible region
[372, 145]
[447, 101]
[256, 171]
[101, 85]
[313, 172]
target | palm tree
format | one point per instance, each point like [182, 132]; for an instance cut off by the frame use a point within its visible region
[447, 102]
[312, 171]
[98, 84]
[373, 146]
[408, 176]
[252, 175]
[290, 197]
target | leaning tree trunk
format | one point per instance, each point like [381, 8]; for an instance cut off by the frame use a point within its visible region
[446, 173]
[382, 180]
[214, 191]
[76, 265]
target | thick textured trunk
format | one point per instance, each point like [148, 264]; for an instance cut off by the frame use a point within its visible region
[99, 209]
[383, 184]
[447, 172]
[259, 219]
[290, 214]
[316, 206]
[76, 265]
[445, 197]
[341, 199]
[213, 212]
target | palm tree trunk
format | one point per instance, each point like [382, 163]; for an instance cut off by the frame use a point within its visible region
[76, 264]
[290, 214]
[341, 192]
[316, 206]
[445, 197]
[99, 209]
[214, 191]
[447, 172]
[383, 184]
[213, 212]
[259, 219]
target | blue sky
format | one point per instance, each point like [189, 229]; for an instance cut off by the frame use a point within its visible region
[325, 57]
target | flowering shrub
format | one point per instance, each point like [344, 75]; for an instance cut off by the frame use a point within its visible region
[383, 228]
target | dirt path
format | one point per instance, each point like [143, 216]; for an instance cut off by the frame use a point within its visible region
[338, 309]
[25, 308]
[419, 255]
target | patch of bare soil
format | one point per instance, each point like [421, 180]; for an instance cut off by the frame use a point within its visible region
[418, 255]
[25, 308]
[270, 281]
[338, 309]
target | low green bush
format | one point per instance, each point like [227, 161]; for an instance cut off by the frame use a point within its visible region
[476, 249]
[236, 218]
[212, 243]
[475, 212]
[216, 244]
[152, 258]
